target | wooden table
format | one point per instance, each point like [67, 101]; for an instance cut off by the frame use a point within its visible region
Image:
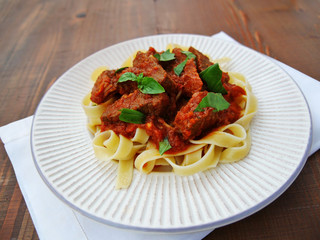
[40, 40]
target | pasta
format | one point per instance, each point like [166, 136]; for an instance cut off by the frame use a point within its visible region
[201, 151]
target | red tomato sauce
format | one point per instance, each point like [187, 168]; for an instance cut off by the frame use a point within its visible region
[158, 129]
[170, 115]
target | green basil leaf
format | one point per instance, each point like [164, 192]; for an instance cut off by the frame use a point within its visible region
[128, 76]
[167, 56]
[146, 85]
[178, 69]
[214, 100]
[139, 78]
[157, 56]
[121, 69]
[164, 146]
[212, 76]
[189, 54]
[150, 86]
[132, 116]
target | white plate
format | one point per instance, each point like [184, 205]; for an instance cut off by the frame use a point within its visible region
[158, 202]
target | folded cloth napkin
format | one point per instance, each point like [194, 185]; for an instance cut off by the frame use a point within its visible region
[55, 220]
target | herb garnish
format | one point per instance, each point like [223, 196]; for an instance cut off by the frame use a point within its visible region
[146, 85]
[128, 76]
[131, 116]
[212, 76]
[178, 69]
[164, 146]
[189, 54]
[214, 100]
[165, 56]
[120, 69]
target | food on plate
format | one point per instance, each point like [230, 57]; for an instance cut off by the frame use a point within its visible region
[174, 109]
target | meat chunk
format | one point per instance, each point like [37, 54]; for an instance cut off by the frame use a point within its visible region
[128, 86]
[107, 85]
[148, 104]
[151, 51]
[188, 81]
[191, 124]
[150, 67]
[104, 87]
[202, 60]
[169, 66]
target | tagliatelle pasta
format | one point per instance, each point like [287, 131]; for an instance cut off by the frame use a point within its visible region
[223, 144]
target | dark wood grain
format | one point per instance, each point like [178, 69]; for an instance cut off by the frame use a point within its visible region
[40, 40]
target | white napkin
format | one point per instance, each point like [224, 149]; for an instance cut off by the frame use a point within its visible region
[55, 220]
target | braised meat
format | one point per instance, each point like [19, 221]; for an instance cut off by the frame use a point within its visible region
[189, 123]
[202, 60]
[188, 82]
[169, 114]
[107, 85]
[145, 103]
[104, 87]
[189, 79]
[150, 67]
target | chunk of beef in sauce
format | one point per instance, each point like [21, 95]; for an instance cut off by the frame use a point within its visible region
[150, 67]
[192, 124]
[188, 81]
[189, 123]
[106, 86]
[202, 60]
[145, 103]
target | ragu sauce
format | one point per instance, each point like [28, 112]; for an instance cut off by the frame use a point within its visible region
[172, 114]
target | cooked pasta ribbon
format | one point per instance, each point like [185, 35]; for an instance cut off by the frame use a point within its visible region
[125, 173]
[94, 111]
